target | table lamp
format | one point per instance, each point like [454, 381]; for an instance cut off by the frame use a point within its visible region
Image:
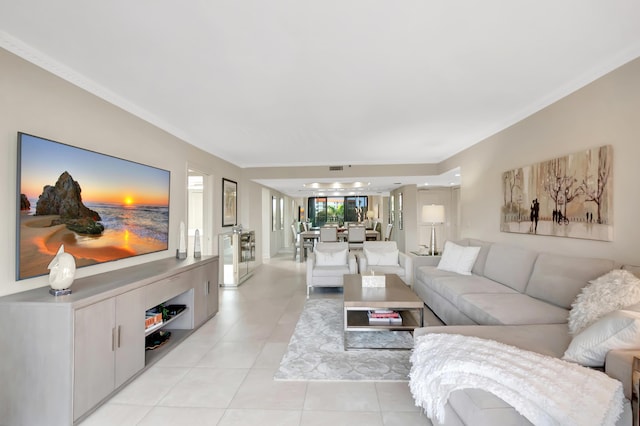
[433, 214]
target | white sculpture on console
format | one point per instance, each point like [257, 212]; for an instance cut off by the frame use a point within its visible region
[62, 272]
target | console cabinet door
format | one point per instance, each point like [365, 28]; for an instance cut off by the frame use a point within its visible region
[211, 275]
[199, 282]
[94, 338]
[129, 344]
[109, 347]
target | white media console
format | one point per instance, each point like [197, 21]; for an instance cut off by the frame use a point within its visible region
[61, 357]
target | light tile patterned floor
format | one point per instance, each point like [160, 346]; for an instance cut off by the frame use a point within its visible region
[223, 373]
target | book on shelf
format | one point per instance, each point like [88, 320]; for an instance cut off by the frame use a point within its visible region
[384, 318]
[384, 314]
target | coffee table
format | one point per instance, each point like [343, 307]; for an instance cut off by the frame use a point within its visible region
[396, 295]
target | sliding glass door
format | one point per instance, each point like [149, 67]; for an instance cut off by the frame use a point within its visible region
[336, 210]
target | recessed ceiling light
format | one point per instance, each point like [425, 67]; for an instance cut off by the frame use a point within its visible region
[457, 175]
[337, 185]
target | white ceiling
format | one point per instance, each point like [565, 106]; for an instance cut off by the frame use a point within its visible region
[294, 82]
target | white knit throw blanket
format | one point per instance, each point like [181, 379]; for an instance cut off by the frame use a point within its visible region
[545, 390]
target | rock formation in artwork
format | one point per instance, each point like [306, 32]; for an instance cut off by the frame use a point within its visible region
[64, 199]
[25, 204]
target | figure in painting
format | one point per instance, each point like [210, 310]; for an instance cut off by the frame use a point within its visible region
[535, 215]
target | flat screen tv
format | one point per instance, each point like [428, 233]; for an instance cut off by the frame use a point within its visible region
[101, 208]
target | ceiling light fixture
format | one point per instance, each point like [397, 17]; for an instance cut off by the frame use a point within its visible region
[336, 185]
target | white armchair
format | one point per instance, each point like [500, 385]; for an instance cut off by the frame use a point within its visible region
[385, 258]
[327, 265]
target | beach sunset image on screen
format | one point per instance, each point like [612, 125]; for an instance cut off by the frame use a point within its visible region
[102, 208]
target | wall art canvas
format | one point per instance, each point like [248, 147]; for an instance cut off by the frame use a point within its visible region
[570, 196]
[229, 202]
[101, 208]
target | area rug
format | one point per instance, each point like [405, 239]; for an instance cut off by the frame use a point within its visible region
[316, 349]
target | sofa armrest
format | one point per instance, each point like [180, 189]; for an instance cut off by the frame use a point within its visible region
[362, 263]
[353, 266]
[619, 365]
[406, 262]
[311, 262]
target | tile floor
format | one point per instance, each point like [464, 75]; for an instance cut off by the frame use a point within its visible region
[223, 373]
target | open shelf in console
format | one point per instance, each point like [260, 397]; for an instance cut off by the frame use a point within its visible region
[164, 324]
[180, 325]
[177, 336]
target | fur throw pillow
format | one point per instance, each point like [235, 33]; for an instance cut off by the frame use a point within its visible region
[614, 290]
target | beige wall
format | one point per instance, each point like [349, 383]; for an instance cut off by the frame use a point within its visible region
[605, 112]
[37, 102]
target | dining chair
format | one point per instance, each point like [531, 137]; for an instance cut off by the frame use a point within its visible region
[357, 235]
[378, 228]
[387, 232]
[296, 241]
[329, 234]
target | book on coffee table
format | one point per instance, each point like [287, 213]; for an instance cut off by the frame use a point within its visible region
[384, 317]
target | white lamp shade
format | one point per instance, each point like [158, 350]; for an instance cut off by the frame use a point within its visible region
[433, 213]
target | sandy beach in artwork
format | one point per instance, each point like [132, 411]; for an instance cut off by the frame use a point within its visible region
[39, 243]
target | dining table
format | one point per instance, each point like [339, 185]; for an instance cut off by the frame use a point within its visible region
[343, 235]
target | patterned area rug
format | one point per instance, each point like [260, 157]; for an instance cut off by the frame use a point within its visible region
[316, 350]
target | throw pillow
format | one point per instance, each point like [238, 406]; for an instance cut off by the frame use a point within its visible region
[331, 257]
[382, 257]
[458, 259]
[614, 290]
[615, 330]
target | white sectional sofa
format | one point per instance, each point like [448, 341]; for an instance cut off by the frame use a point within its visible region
[509, 285]
[515, 296]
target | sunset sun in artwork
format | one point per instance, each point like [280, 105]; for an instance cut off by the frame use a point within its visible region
[128, 201]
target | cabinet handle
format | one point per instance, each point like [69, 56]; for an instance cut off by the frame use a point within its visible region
[119, 333]
[208, 286]
[113, 339]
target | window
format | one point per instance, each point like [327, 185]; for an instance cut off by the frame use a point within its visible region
[338, 210]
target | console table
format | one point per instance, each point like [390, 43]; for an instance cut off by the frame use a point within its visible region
[64, 356]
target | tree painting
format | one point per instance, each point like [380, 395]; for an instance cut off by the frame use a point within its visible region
[569, 196]
[595, 190]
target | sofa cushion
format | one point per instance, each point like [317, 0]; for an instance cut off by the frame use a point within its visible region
[616, 330]
[428, 273]
[558, 279]
[614, 290]
[619, 365]
[381, 256]
[458, 259]
[328, 257]
[510, 265]
[510, 309]
[387, 269]
[478, 266]
[545, 339]
[484, 409]
[330, 270]
[445, 311]
[452, 287]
